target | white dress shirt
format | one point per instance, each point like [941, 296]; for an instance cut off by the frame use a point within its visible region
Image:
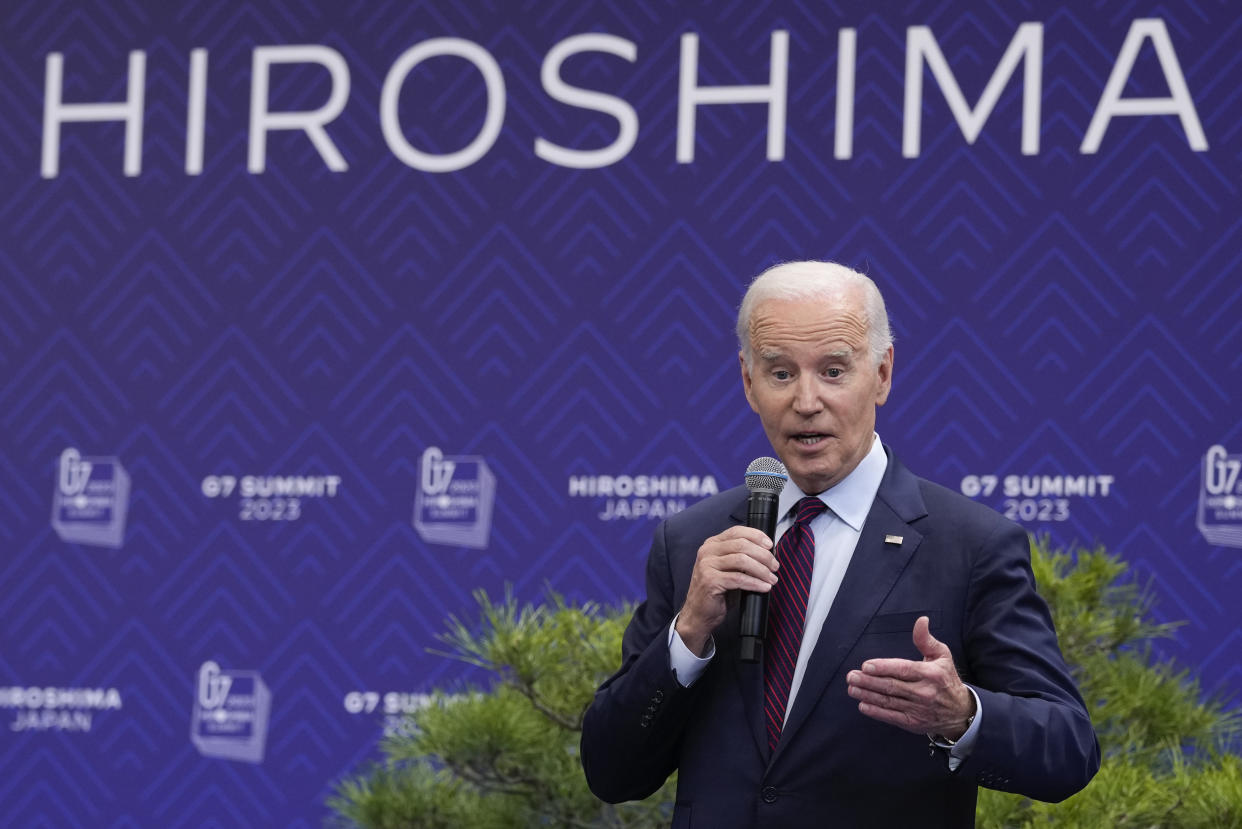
[836, 531]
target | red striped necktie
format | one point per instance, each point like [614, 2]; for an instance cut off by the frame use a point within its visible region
[787, 613]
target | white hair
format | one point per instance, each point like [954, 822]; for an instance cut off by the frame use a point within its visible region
[803, 280]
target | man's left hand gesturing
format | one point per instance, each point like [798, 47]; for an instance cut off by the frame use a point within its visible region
[924, 697]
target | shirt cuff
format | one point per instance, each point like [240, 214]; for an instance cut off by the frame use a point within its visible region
[687, 666]
[960, 749]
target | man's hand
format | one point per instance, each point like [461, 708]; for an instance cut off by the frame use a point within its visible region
[923, 697]
[740, 558]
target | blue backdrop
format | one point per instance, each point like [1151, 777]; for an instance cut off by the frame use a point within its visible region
[315, 317]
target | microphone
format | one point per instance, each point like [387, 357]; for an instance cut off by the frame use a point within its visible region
[765, 478]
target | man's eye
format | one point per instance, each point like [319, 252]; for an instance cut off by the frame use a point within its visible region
[834, 372]
[781, 374]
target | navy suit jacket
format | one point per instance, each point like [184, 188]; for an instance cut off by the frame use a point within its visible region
[959, 563]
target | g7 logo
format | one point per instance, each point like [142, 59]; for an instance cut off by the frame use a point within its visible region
[437, 472]
[1220, 472]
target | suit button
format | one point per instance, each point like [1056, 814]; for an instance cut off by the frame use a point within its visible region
[768, 794]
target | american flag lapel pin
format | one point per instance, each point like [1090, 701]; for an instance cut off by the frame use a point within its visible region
[892, 539]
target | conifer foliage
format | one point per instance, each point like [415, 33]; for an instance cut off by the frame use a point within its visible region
[1168, 753]
[507, 756]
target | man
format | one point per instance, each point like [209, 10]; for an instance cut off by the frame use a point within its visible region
[909, 659]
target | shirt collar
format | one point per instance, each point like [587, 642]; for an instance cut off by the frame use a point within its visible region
[852, 497]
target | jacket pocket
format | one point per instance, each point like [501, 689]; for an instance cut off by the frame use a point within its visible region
[903, 622]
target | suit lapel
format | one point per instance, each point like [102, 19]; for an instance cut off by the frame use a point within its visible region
[873, 571]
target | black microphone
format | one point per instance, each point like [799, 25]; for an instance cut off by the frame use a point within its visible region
[765, 478]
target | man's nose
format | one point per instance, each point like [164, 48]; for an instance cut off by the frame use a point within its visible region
[806, 396]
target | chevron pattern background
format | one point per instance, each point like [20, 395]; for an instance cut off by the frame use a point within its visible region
[1056, 314]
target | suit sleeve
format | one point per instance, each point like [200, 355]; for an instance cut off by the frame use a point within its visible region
[1036, 738]
[632, 730]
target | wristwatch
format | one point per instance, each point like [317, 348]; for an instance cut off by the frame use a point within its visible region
[940, 741]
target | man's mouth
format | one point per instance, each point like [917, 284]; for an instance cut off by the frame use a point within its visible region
[808, 438]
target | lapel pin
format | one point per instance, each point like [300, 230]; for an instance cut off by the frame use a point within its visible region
[892, 539]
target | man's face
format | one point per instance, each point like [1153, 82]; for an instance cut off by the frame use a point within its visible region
[815, 385]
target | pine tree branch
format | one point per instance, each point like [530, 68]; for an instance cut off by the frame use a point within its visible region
[527, 690]
[491, 780]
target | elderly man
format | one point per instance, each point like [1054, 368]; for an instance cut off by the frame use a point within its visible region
[909, 659]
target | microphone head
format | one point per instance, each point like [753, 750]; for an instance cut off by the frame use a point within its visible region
[766, 475]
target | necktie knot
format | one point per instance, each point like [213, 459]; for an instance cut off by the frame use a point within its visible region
[808, 509]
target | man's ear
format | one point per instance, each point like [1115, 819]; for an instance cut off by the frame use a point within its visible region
[746, 383]
[886, 377]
